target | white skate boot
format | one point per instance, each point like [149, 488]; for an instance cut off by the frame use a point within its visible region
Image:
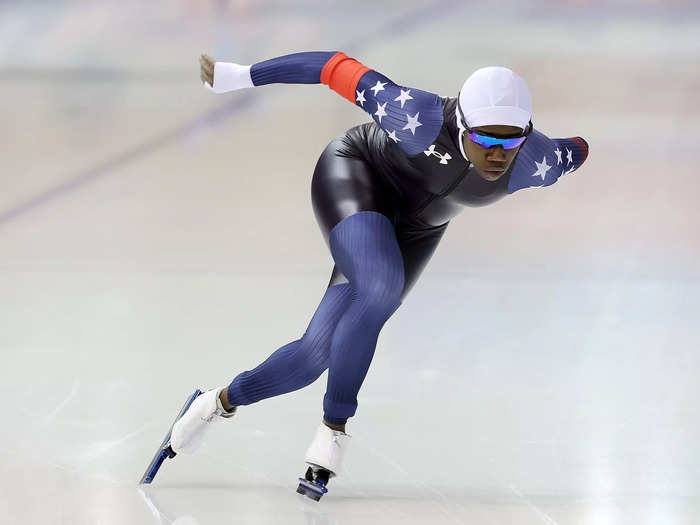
[188, 431]
[325, 458]
[185, 434]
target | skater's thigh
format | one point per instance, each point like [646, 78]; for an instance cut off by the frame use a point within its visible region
[344, 184]
[417, 247]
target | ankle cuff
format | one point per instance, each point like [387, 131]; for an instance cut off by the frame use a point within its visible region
[222, 411]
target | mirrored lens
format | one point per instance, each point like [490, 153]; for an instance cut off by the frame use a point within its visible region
[487, 142]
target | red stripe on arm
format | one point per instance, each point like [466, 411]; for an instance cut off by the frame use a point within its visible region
[584, 147]
[342, 73]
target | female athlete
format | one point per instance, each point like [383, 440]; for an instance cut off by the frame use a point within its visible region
[383, 195]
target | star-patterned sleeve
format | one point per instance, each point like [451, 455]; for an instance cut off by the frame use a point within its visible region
[541, 160]
[412, 118]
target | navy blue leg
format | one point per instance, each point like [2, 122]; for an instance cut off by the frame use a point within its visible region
[296, 364]
[365, 248]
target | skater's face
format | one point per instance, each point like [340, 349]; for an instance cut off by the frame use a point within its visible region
[491, 163]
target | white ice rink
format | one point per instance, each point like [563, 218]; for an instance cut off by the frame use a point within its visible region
[155, 237]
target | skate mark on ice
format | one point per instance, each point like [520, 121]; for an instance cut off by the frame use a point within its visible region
[219, 458]
[155, 508]
[417, 483]
[97, 449]
[313, 513]
[542, 514]
[83, 476]
[60, 406]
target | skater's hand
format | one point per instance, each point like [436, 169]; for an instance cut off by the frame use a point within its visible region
[206, 69]
[222, 77]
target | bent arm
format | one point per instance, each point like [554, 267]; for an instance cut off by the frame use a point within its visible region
[541, 160]
[411, 117]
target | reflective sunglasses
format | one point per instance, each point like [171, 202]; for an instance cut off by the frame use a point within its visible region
[487, 141]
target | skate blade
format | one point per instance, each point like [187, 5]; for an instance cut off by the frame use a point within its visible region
[164, 450]
[310, 489]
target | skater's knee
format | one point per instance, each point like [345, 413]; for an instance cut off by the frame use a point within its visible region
[382, 290]
[311, 373]
[381, 296]
[311, 359]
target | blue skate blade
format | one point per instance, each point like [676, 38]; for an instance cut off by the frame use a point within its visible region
[154, 466]
[162, 452]
[311, 489]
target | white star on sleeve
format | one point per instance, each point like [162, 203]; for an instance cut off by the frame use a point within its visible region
[380, 111]
[542, 168]
[392, 136]
[569, 158]
[404, 96]
[412, 123]
[361, 97]
[558, 154]
[379, 86]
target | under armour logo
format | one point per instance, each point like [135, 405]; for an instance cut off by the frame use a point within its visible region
[443, 158]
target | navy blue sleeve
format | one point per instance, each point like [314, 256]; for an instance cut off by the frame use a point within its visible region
[541, 160]
[411, 117]
[297, 68]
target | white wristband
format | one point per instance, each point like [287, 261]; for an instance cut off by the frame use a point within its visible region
[229, 77]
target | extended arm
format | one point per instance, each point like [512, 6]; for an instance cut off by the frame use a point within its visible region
[412, 118]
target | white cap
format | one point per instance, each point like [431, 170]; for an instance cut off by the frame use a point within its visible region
[495, 95]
